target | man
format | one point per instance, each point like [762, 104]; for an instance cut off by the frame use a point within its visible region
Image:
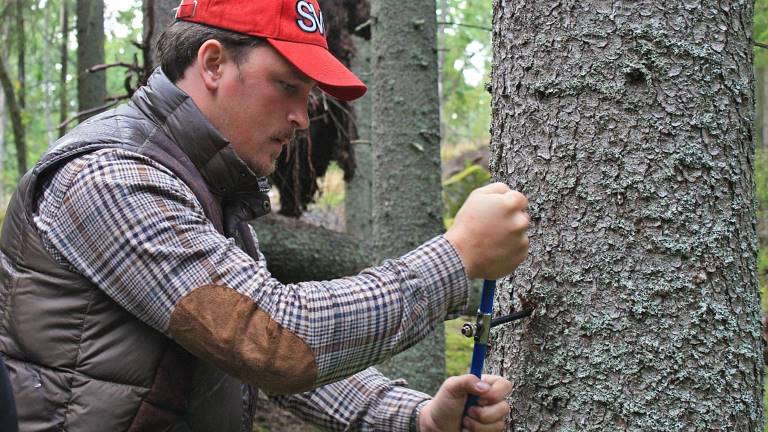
[134, 294]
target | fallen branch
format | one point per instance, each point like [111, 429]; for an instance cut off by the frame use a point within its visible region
[298, 251]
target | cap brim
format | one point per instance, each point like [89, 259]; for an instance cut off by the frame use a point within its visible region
[319, 64]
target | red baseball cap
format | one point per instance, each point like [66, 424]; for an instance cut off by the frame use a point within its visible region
[295, 28]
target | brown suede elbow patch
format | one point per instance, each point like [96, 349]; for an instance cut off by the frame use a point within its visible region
[229, 330]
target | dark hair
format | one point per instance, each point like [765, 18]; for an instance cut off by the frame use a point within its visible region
[178, 45]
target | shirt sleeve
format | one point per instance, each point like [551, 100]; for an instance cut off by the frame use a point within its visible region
[366, 401]
[137, 232]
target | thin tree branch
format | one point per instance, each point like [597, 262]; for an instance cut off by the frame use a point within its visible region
[760, 44]
[113, 100]
[446, 23]
[101, 67]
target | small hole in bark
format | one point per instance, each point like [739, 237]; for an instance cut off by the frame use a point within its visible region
[635, 76]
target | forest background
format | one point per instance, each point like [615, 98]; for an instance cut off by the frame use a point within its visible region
[465, 56]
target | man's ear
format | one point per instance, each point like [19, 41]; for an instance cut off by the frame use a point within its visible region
[210, 61]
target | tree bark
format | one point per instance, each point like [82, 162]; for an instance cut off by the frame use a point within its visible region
[2, 143]
[47, 78]
[629, 127]
[158, 14]
[63, 59]
[407, 204]
[21, 49]
[16, 121]
[91, 87]
[358, 194]
[763, 108]
[297, 251]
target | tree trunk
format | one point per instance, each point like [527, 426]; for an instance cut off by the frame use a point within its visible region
[442, 5]
[91, 87]
[629, 127]
[16, 122]
[63, 59]
[358, 194]
[763, 108]
[157, 15]
[407, 204]
[2, 144]
[47, 78]
[21, 49]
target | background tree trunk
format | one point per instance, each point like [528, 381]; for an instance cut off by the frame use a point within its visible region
[2, 144]
[64, 60]
[16, 120]
[762, 91]
[91, 87]
[21, 98]
[157, 15]
[629, 127]
[358, 194]
[47, 33]
[407, 205]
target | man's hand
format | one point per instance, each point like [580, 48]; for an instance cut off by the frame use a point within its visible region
[489, 231]
[444, 412]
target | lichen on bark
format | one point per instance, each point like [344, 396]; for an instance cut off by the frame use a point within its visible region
[628, 124]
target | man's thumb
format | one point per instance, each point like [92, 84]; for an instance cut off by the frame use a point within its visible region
[459, 387]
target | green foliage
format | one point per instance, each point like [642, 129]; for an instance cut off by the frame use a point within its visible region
[332, 191]
[122, 26]
[458, 349]
[465, 105]
[42, 24]
[760, 31]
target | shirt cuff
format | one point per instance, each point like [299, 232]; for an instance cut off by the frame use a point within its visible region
[399, 409]
[437, 263]
[415, 425]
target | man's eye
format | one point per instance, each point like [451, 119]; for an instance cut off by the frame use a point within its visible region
[290, 88]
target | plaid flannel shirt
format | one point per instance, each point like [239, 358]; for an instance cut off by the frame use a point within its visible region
[139, 233]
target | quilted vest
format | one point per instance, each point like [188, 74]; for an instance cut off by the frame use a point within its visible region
[77, 360]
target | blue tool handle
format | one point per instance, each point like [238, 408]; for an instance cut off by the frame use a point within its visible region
[486, 298]
[481, 342]
[478, 358]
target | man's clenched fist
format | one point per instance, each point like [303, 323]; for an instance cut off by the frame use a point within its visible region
[444, 412]
[489, 231]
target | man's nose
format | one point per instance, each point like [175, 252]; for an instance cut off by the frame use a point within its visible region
[299, 117]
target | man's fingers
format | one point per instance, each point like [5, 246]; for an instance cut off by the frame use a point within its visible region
[458, 387]
[490, 413]
[517, 200]
[520, 221]
[493, 188]
[500, 389]
[473, 425]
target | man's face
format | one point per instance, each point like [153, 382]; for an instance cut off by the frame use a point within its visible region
[259, 106]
